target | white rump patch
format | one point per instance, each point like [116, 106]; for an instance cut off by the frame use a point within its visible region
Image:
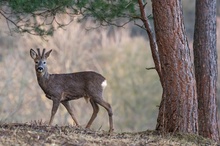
[104, 84]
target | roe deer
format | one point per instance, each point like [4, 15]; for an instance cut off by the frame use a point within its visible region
[61, 88]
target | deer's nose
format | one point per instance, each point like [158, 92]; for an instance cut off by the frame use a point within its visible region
[40, 69]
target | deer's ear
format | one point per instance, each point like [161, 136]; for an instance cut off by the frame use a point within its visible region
[33, 54]
[48, 54]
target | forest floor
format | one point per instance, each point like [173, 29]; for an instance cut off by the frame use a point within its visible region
[39, 134]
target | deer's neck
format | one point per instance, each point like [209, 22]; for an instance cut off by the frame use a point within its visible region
[43, 79]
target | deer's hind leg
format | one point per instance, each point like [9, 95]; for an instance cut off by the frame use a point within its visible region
[70, 111]
[94, 114]
[107, 106]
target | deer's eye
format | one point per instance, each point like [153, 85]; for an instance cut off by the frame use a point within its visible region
[44, 62]
[36, 62]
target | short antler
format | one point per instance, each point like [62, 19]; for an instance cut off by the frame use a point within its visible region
[43, 52]
[38, 51]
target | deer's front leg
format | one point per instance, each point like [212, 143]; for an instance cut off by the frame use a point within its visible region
[56, 104]
[67, 106]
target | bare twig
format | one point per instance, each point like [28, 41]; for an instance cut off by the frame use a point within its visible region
[7, 19]
[145, 5]
[149, 68]
[141, 26]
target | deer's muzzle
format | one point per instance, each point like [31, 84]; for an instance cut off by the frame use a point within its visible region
[40, 69]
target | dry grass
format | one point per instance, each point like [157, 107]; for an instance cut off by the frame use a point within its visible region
[40, 134]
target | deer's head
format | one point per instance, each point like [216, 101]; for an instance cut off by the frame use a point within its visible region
[40, 60]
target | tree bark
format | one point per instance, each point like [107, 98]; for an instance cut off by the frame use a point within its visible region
[178, 107]
[205, 59]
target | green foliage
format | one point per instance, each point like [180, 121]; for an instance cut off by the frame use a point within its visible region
[106, 11]
[99, 9]
[30, 6]
[103, 12]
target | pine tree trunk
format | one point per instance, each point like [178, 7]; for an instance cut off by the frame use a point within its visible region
[178, 108]
[205, 58]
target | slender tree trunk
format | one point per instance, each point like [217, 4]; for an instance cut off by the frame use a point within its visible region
[205, 58]
[178, 108]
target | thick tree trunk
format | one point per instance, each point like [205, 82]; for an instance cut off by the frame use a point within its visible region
[205, 58]
[178, 108]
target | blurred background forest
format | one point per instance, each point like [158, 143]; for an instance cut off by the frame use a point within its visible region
[120, 54]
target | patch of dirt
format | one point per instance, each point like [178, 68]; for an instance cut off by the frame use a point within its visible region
[40, 134]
